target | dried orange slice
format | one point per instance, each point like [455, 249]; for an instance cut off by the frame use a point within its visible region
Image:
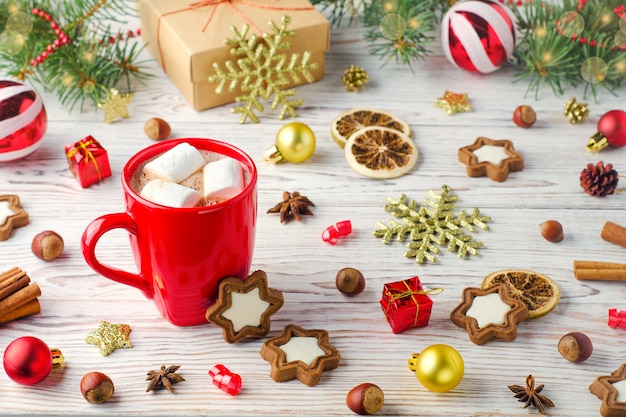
[539, 292]
[380, 152]
[352, 120]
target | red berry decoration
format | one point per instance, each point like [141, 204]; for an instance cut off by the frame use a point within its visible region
[611, 131]
[599, 180]
[23, 120]
[28, 360]
[478, 35]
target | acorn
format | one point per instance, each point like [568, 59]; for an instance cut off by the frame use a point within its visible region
[350, 281]
[47, 245]
[524, 116]
[157, 129]
[96, 387]
[365, 399]
[551, 230]
[575, 347]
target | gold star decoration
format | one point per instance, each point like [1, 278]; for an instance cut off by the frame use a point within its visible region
[110, 336]
[115, 106]
[507, 331]
[604, 389]
[483, 158]
[453, 103]
[244, 307]
[299, 353]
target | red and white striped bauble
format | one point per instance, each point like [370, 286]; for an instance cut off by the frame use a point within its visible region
[23, 120]
[478, 35]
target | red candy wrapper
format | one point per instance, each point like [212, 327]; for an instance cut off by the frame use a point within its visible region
[88, 161]
[406, 304]
[617, 318]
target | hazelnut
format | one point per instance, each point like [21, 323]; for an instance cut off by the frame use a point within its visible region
[365, 399]
[157, 129]
[551, 230]
[47, 245]
[575, 347]
[96, 387]
[524, 116]
[350, 281]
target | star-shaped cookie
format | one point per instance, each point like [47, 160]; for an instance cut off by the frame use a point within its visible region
[115, 106]
[299, 353]
[493, 158]
[484, 316]
[604, 387]
[11, 215]
[244, 307]
[110, 336]
[453, 103]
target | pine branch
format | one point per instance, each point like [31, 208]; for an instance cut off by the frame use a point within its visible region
[552, 53]
[98, 58]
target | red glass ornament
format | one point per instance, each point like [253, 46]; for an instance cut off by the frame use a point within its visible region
[225, 380]
[23, 120]
[478, 35]
[611, 131]
[28, 360]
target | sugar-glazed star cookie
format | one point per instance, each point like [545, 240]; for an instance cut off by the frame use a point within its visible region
[11, 215]
[299, 353]
[488, 313]
[492, 158]
[244, 307]
[110, 336]
[611, 389]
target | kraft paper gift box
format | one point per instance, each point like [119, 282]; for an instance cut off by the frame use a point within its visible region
[188, 37]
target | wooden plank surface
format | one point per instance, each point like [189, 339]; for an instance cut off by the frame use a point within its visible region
[75, 299]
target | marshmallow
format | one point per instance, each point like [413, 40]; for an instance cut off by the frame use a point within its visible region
[170, 194]
[223, 179]
[176, 164]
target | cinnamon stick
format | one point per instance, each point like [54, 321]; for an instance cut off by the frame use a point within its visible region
[30, 308]
[598, 265]
[614, 233]
[9, 277]
[15, 286]
[19, 299]
[600, 274]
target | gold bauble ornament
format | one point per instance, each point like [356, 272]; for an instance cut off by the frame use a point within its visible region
[439, 367]
[295, 142]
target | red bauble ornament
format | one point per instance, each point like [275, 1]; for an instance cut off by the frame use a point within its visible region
[478, 35]
[23, 120]
[28, 360]
[611, 131]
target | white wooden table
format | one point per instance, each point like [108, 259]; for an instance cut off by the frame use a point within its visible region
[303, 267]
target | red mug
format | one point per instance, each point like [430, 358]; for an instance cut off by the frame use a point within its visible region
[181, 253]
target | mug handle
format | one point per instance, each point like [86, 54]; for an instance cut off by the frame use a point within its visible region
[94, 232]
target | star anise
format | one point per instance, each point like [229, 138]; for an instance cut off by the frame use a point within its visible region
[530, 395]
[164, 378]
[293, 205]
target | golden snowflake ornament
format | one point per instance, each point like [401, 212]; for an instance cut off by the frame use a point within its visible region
[115, 107]
[262, 69]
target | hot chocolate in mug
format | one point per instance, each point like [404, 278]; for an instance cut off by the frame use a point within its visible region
[181, 253]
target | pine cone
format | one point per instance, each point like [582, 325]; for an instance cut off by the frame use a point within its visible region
[599, 180]
[354, 78]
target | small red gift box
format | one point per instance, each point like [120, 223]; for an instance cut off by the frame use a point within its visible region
[88, 161]
[406, 304]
